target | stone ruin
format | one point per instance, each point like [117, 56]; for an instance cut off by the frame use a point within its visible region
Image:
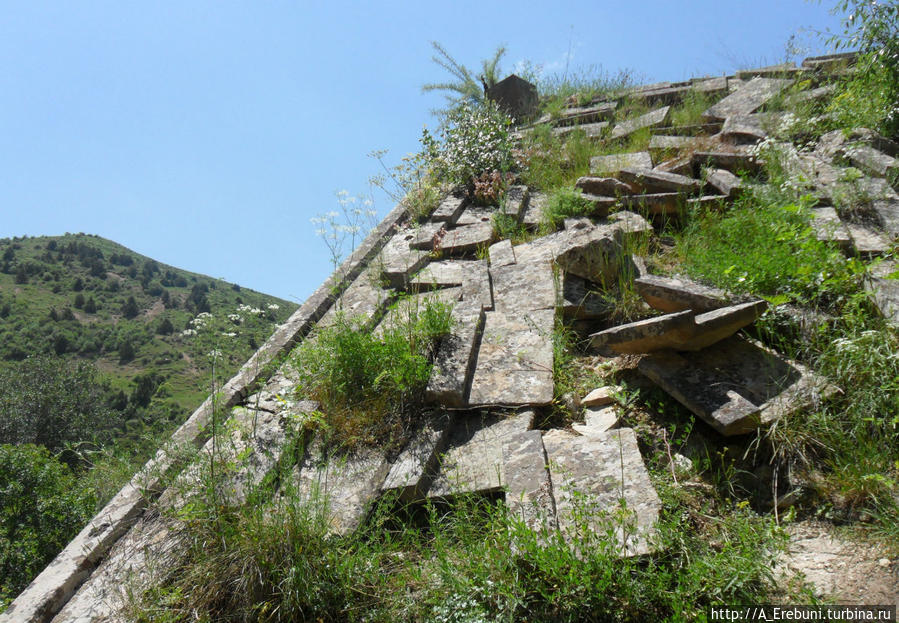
[494, 373]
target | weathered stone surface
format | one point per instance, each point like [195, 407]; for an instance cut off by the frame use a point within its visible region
[590, 130]
[606, 470]
[771, 71]
[449, 210]
[693, 129]
[734, 385]
[472, 215]
[600, 397]
[630, 225]
[868, 241]
[616, 162]
[659, 144]
[830, 62]
[476, 287]
[533, 215]
[653, 181]
[674, 294]
[680, 165]
[884, 288]
[591, 253]
[678, 331]
[579, 298]
[724, 182]
[435, 275]
[427, 235]
[515, 361]
[652, 118]
[603, 186]
[501, 253]
[473, 461]
[348, 483]
[528, 487]
[887, 212]
[466, 239]
[364, 297]
[597, 420]
[871, 161]
[515, 202]
[733, 161]
[523, 287]
[814, 95]
[738, 128]
[655, 203]
[278, 393]
[398, 261]
[708, 202]
[516, 96]
[714, 87]
[411, 473]
[828, 227]
[748, 98]
[600, 112]
[454, 362]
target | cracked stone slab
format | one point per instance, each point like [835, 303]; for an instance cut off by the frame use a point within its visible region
[748, 98]
[523, 287]
[467, 238]
[443, 274]
[887, 212]
[363, 298]
[603, 186]
[515, 360]
[348, 483]
[868, 241]
[885, 290]
[735, 385]
[680, 165]
[716, 86]
[650, 119]
[587, 114]
[654, 181]
[601, 472]
[589, 252]
[501, 253]
[528, 486]
[410, 474]
[398, 261]
[630, 225]
[579, 298]
[659, 143]
[515, 202]
[476, 288]
[473, 461]
[829, 228]
[684, 330]
[724, 182]
[449, 210]
[751, 128]
[655, 203]
[674, 294]
[454, 362]
[427, 235]
[615, 162]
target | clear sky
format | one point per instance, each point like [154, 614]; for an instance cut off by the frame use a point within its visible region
[207, 134]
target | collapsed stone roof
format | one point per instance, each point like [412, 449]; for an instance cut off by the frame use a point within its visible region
[495, 370]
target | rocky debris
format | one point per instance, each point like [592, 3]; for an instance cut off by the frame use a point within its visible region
[748, 98]
[660, 144]
[887, 212]
[597, 420]
[590, 252]
[501, 253]
[653, 181]
[579, 298]
[748, 128]
[828, 227]
[725, 182]
[515, 362]
[680, 165]
[523, 287]
[684, 330]
[883, 284]
[411, 473]
[872, 161]
[466, 239]
[674, 294]
[600, 205]
[603, 186]
[473, 461]
[655, 203]
[734, 385]
[515, 96]
[652, 118]
[449, 210]
[614, 163]
[454, 362]
[630, 226]
[591, 477]
[528, 486]
[600, 397]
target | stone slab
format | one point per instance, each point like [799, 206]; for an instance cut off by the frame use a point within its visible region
[716, 325]
[427, 235]
[716, 86]
[603, 186]
[748, 98]
[476, 288]
[587, 114]
[884, 289]
[674, 294]
[771, 71]
[443, 274]
[735, 385]
[680, 165]
[733, 161]
[533, 215]
[751, 128]
[523, 287]
[871, 161]
[501, 253]
[579, 298]
[473, 215]
[451, 374]
[473, 461]
[693, 129]
[660, 144]
[398, 261]
[654, 181]
[615, 162]
[600, 397]
[515, 202]
[887, 211]
[467, 239]
[655, 203]
[591, 252]
[449, 210]
[601, 472]
[411, 472]
[363, 298]
[829, 62]
[597, 420]
[515, 360]
[648, 120]
[590, 130]
[828, 227]
[724, 182]
[528, 486]
[645, 336]
[867, 240]
[630, 225]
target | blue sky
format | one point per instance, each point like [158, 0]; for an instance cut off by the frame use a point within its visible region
[207, 134]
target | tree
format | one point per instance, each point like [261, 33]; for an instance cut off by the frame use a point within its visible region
[465, 86]
[79, 301]
[165, 327]
[126, 351]
[129, 308]
[90, 306]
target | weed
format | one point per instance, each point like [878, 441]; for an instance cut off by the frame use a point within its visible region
[689, 110]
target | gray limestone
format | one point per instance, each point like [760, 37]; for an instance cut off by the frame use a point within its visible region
[887, 211]
[655, 203]
[427, 235]
[674, 294]
[398, 261]
[466, 239]
[883, 285]
[473, 461]
[591, 252]
[868, 241]
[660, 144]
[748, 98]
[658, 181]
[501, 253]
[650, 119]
[589, 114]
[454, 362]
[533, 215]
[872, 161]
[528, 487]
[476, 288]
[734, 385]
[515, 361]
[579, 298]
[364, 298]
[523, 287]
[724, 182]
[734, 161]
[680, 165]
[476, 214]
[591, 477]
[435, 275]
[603, 186]
[828, 227]
[614, 163]
[590, 130]
[630, 225]
[515, 202]
[781, 70]
[411, 472]
[751, 128]
[449, 210]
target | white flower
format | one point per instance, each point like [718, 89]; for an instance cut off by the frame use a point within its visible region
[229, 334]
[274, 306]
[188, 332]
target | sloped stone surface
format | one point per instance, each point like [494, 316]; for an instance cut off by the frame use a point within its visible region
[591, 253]
[733, 161]
[466, 239]
[411, 472]
[616, 162]
[398, 261]
[597, 420]
[473, 215]
[435, 275]
[658, 181]
[515, 202]
[652, 118]
[476, 288]
[780, 70]
[887, 212]
[655, 203]
[867, 240]
[828, 227]
[501, 253]
[724, 182]
[578, 298]
[364, 297]
[673, 294]
[587, 114]
[603, 186]
[473, 461]
[454, 362]
[659, 143]
[872, 161]
[449, 210]
[427, 235]
[515, 361]
[523, 287]
[884, 289]
[533, 215]
[528, 486]
[748, 98]
[590, 130]
[606, 469]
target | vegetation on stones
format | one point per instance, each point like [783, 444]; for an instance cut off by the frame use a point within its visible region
[465, 88]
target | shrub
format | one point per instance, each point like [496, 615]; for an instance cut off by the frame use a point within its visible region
[565, 203]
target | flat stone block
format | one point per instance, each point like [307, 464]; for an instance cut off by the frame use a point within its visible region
[887, 211]
[444, 274]
[884, 289]
[398, 261]
[599, 473]
[515, 361]
[616, 162]
[721, 323]
[523, 287]
[410, 474]
[630, 225]
[467, 239]
[654, 181]
[868, 241]
[533, 215]
[748, 98]
[473, 461]
[674, 294]
[600, 397]
[476, 288]
[659, 144]
[472, 215]
[734, 161]
[600, 417]
[528, 487]
[589, 252]
[454, 362]
[588, 114]
[724, 182]
[515, 202]
[655, 203]
[829, 228]
[363, 298]
[871, 161]
[501, 253]
[771, 71]
[590, 130]
[427, 235]
[645, 336]
[449, 210]
[603, 186]
[652, 118]
[680, 165]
